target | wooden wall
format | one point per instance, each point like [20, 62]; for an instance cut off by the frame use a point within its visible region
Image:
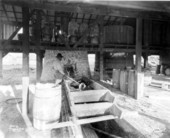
[117, 62]
[119, 34]
[156, 33]
[8, 30]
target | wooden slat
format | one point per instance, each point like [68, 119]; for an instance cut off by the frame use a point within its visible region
[96, 119]
[101, 38]
[88, 96]
[11, 37]
[3, 6]
[13, 8]
[138, 43]
[92, 109]
[1, 65]
[25, 62]
[138, 87]
[78, 129]
[38, 44]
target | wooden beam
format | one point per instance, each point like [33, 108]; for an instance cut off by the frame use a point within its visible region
[139, 75]
[88, 96]
[101, 46]
[108, 20]
[12, 23]
[39, 65]
[38, 43]
[14, 12]
[1, 63]
[12, 36]
[25, 63]
[138, 43]
[83, 110]
[1, 51]
[83, 18]
[103, 10]
[3, 6]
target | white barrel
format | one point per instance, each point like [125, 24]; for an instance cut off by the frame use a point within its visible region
[46, 106]
[116, 78]
[124, 81]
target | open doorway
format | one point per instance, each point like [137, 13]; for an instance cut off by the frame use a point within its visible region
[91, 60]
[12, 68]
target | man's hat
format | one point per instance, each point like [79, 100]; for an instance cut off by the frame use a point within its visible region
[59, 55]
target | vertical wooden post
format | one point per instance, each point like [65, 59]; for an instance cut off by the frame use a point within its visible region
[145, 57]
[64, 23]
[38, 44]
[101, 33]
[139, 75]
[1, 52]
[1, 63]
[138, 44]
[25, 63]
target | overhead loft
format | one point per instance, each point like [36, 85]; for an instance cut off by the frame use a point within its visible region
[113, 13]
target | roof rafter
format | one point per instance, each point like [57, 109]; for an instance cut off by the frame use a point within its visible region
[14, 13]
[3, 6]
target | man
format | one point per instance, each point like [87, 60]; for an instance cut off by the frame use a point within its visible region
[59, 69]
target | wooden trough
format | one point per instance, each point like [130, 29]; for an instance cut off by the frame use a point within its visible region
[91, 106]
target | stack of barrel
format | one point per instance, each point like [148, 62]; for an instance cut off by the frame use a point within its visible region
[125, 81]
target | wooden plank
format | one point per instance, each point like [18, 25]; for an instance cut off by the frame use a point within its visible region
[1, 52]
[88, 96]
[83, 110]
[25, 62]
[1, 64]
[12, 36]
[38, 44]
[78, 129]
[139, 85]
[101, 37]
[3, 6]
[139, 81]
[14, 12]
[96, 119]
[138, 44]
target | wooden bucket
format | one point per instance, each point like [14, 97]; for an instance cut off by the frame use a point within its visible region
[47, 106]
[131, 83]
[124, 81]
[116, 78]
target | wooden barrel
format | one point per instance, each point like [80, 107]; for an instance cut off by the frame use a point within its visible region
[123, 81]
[47, 106]
[158, 68]
[131, 83]
[167, 71]
[116, 78]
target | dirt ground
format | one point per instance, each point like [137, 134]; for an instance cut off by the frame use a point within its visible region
[153, 120]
